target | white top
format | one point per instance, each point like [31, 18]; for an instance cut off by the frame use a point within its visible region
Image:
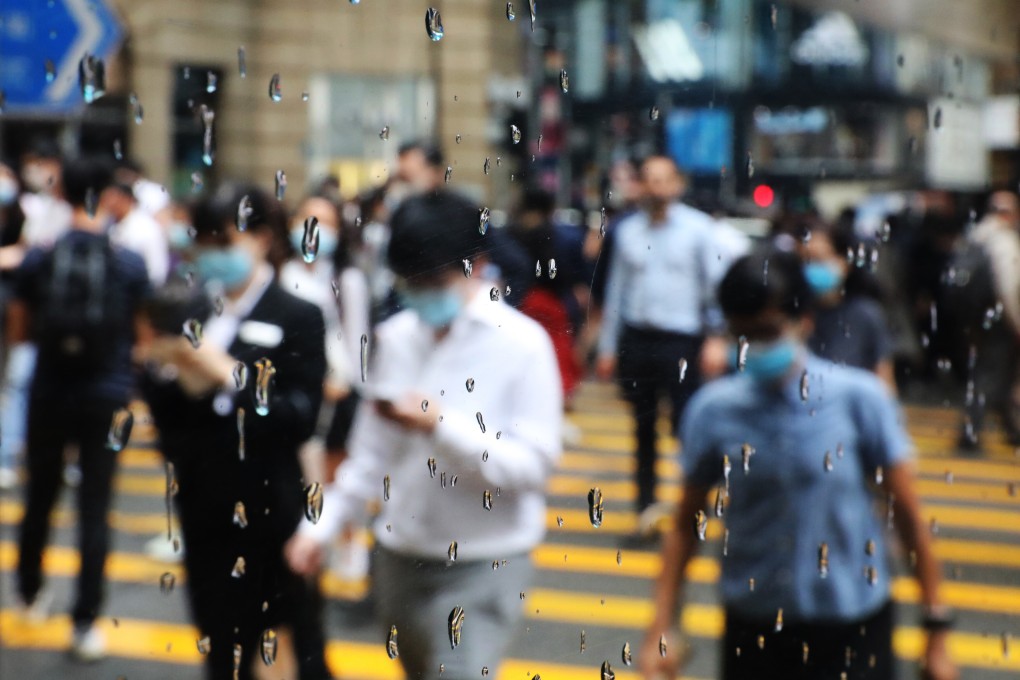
[516, 390]
[141, 233]
[346, 312]
[46, 219]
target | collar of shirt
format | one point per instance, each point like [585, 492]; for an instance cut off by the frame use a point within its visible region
[221, 329]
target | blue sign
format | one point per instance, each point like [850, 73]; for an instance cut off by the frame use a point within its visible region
[41, 43]
[700, 140]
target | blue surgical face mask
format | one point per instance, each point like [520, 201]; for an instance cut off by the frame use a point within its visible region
[437, 308]
[230, 267]
[179, 236]
[768, 362]
[823, 277]
[8, 191]
[328, 241]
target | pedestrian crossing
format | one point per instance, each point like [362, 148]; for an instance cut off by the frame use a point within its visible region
[591, 594]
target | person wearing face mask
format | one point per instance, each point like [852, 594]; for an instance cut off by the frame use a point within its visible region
[791, 443]
[15, 385]
[456, 437]
[47, 214]
[340, 290]
[233, 398]
[137, 230]
[849, 325]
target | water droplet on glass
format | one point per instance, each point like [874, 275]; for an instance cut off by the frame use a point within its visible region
[455, 626]
[625, 655]
[313, 502]
[595, 502]
[210, 82]
[531, 7]
[391, 643]
[481, 421]
[448, 174]
[118, 150]
[487, 499]
[192, 330]
[51, 70]
[91, 77]
[263, 379]
[242, 62]
[653, 113]
[197, 182]
[552, 269]
[749, 165]
[469, 384]
[510, 16]
[240, 515]
[871, 575]
[433, 24]
[726, 469]
[779, 620]
[823, 560]
[564, 81]
[204, 645]
[239, 567]
[432, 467]
[720, 503]
[485, 166]
[761, 642]
[91, 202]
[120, 429]
[827, 462]
[281, 184]
[700, 524]
[742, 347]
[746, 451]
[136, 107]
[682, 366]
[364, 358]
[937, 118]
[483, 219]
[804, 386]
[559, 521]
[515, 134]
[240, 374]
[384, 134]
[268, 646]
[275, 93]
[494, 294]
[386, 488]
[773, 18]
[166, 583]
[442, 479]
[879, 475]
[304, 96]
[244, 213]
[457, 139]
[208, 117]
[451, 553]
[607, 670]
[310, 240]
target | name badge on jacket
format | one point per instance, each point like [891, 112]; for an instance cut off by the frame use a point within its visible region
[260, 333]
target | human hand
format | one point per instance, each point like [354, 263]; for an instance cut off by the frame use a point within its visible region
[605, 366]
[408, 412]
[334, 390]
[937, 664]
[653, 664]
[304, 555]
[714, 357]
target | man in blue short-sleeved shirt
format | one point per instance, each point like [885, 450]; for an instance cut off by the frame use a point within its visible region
[796, 446]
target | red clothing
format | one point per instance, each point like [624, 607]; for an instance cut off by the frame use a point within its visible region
[545, 307]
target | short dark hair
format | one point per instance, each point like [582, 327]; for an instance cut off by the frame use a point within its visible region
[433, 154]
[538, 200]
[434, 233]
[661, 157]
[82, 175]
[765, 279]
[213, 211]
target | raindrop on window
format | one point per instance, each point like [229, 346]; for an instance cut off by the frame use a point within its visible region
[210, 82]
[364, 358]
[448, 174]
[455, 626]
[120, 429]
[595, 502]
[242, 62]
[386, 488]
[531, 7]
[481, 421]
[268, 646]
[749, 164]
[823, 559]
[742, 347]
[281, 184]
[433, 24]
[91, 77]
[653, 113]
[240, 515]
[626, 656]
[457, 139]
[827, 462]
[166, 583]
[483, 219]
[487, 499]
[275, 93]
[552, 269]
[682, 365]
[263, 379]
[384, 134]
[192, 330]
[310, 239]
[804, 386]
[485, 166]
[240, 374]
[204, 645]
[564, 81]
[239, 568]
[746, 451]
[313, 502]
[515, 134]
[244, 213]
[700, 524]
[494, 294]
[510, 16]
[431, 463]
[391, 643]
[469, 384]
[607, 670]
[451, 553]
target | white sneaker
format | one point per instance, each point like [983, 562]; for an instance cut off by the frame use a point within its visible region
[8, 478]
[38, 611]
[162, 550]
[88, 644]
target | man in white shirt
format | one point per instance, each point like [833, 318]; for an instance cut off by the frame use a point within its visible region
[138, 231]
[457, 435]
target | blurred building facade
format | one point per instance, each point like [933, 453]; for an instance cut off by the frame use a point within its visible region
[740, 91]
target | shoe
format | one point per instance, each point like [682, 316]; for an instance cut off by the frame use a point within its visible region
[72, 475]
[8, 479]
[162, 550]
[88, 643]
[38, 611]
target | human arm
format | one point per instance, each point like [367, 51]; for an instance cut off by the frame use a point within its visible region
[355, 310]
[616, 282]
[678, 547]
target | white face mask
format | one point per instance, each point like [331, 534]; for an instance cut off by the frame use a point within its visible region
[36, 178]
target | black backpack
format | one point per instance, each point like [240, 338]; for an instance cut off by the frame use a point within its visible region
[81, 312]
[968, 291]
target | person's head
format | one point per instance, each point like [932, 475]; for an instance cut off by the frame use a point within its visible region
[41, 167]
[85, 181]
[420, 165]
[625, 187]
[328, 221]
[823, 247]
[765, 298]
[537, 207]
[662, 181]
[119, 200]
[9, 186]
[1005, 205]
[432, 236]
[236, 229]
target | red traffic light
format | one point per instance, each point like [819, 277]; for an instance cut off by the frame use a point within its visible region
[763, 196]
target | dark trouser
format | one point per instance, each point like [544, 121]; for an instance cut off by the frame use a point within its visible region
[996, 377]
[53, 423]
[861, 649]
[648, 368]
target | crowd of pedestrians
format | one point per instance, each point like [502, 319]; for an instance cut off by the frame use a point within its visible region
[402, 362]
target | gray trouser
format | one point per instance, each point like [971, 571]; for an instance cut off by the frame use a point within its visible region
[418, 595]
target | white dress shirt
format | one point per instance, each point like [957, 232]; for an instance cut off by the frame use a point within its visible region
[140, 232]
[516, 391]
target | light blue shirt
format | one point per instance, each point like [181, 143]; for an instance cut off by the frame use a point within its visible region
[663, 276]
[788, 503]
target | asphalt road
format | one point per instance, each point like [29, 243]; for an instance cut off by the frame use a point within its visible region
[591, 593]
